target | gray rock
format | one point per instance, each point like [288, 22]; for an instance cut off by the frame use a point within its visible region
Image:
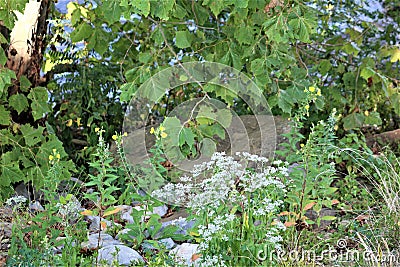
[161, 210]
[35, 206]
[183, 253]
[105, 240]
[95, 223]
[182, 224]
[119, 253]
[127, 217]
[168, 243]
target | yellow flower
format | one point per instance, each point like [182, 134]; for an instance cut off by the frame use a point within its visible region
[69, 123]
[329, 7]
[58, 156]
[162, 128]
[78, 121]
[336, 127]
[319, 92]
[114, 137]
[163, 135]
[301, 145]
[125, 134]
[366, 113]
[97, 129]
[51, 157]
[152, 130]
[311, 89]
[54, 150]
[307, 107]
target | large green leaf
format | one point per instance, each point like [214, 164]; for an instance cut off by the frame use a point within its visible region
[4, 116]
[183, 39]
[352, 121]
[31, 135]
[18, 102]
[39, 105]
[83, 31]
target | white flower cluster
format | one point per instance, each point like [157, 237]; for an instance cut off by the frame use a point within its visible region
[209, 231]
[274, 238]
[251, 157]
[16, 201]
[267, 206]
[214, 182]
[214, 261]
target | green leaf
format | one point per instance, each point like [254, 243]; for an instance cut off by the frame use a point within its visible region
[172, 129]
[352, 121]
[145, 57]
[98, 41]
[31, 135]
[244, 35]
[206, 115]
[18, 102]
[183, 39]
[224, 117]
[162, 9]
[10, 173]
[24, 83]
[141, 7]
[112, 11]
[3, 58]
[373, 118]
[39, 105]
[324, 66]
[4, 116]
[216, 6]
[395, 100]
[208, 147]
[186, 136]
[83, 31]
[367, 73]
[328, 218]
[284, 101]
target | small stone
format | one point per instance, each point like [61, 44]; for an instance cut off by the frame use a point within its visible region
[161, 210]
[105, 240]
[168, 243]
[183, 253]
[35, 206]
[95, 223]
[182, 224]
[120, 253]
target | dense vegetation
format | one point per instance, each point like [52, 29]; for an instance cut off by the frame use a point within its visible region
[329, 68]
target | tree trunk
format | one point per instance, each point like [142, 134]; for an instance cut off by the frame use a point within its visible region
[27, 44]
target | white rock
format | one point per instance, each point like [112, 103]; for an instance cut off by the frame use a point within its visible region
[120, 253]
[183, 253]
